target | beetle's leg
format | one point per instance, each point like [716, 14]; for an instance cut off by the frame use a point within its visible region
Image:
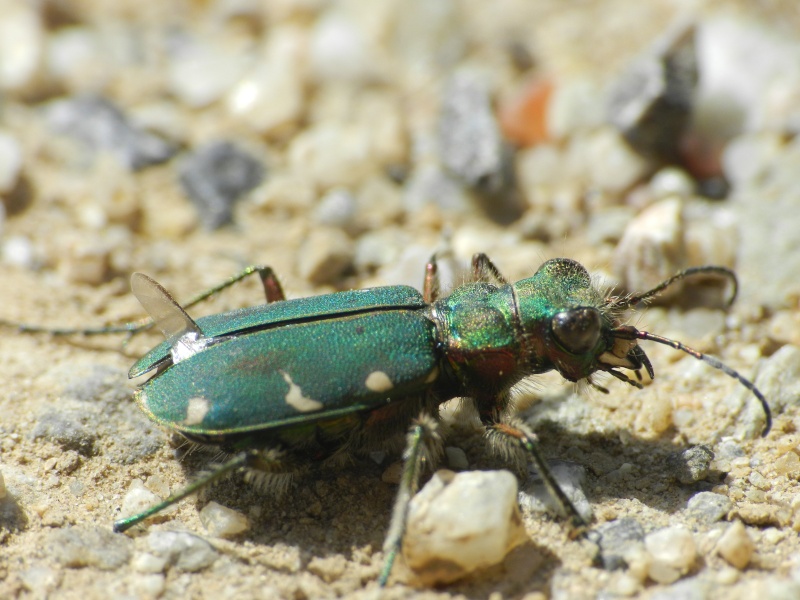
[527, 440]
[272, 290]
[484, 269]
[272, 287]
[267, 462]
[431, 286]
[423, 444]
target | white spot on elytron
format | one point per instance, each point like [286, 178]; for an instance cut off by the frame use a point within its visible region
[432, 375]
[295, 398]
[378, 381]
[197, 411]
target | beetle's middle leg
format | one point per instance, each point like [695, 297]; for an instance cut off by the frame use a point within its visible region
[423, 445]
[521, 437]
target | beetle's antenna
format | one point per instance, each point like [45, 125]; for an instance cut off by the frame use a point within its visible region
[628, 332]
[634, 299]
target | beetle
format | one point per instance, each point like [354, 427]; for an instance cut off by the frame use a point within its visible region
[321, 377]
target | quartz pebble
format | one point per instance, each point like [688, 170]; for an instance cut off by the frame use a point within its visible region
[652, 247]
[187, 552]
[223, 522]
[137, 499]
[461, 522]
[97, 547]
[22, 39]
[736, 546]
[709, 507]
[216, 176]
[673, 553]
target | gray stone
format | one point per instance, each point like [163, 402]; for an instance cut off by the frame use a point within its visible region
[617, 538]
[93, 547]
[570, 478]
[691, 465]
[102, 126]
[215, 177]
[709, 507]
[185, 551]
[651, 102]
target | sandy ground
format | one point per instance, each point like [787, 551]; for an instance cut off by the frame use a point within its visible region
[72, 442]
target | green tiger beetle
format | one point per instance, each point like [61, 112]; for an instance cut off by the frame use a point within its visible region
[322, 377]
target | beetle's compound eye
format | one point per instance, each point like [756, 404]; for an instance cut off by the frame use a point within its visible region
[577, 330]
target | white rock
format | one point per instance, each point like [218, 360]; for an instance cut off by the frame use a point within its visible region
[221, 521]
[577, 105]
[10, 162]
[137, 499]
[3, 490]
[462, 522]
[736, 546]
[673, 551]
[652, 247]
[200, 74]
[21, 44]
[339, 50]
[610, 164]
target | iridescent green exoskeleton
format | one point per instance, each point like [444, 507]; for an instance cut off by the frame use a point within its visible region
[319, 377]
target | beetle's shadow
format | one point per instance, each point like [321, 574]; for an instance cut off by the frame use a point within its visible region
[346, 511]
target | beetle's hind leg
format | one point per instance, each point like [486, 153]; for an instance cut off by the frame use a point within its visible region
[423, 445]
[261, 467]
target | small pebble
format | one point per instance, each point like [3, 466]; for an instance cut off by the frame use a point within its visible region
[97, 547]
[469, 137]
[3, 489]
[709, 507]
[200, 74]
[459, 523]
[149, 585]
[673, 551]
[17, 250]
[779, 379]
[215, 177]
[652, 248]
[102, 126]
[337, 208]
[736, 546]
[617, 539]
[672, 181]
[41, 580]
[10, 162]
[691, 465]
[187, 552]
[223, 522]
[326, 254]
[570, 478]
[22, 41]
[609, 163]
[137, 499]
